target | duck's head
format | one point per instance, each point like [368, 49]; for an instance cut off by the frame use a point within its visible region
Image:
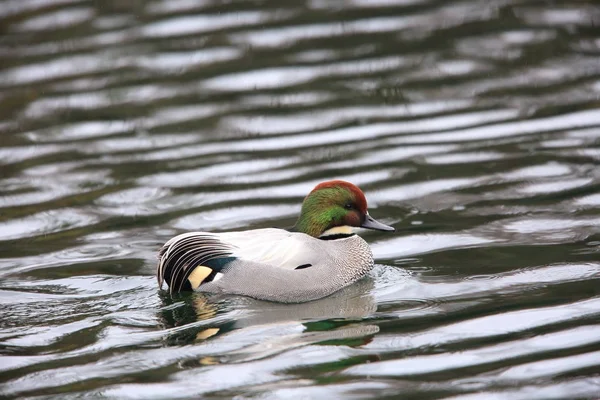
[336, 208]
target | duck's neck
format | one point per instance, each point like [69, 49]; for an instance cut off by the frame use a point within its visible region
[311, 224]
[317, 214]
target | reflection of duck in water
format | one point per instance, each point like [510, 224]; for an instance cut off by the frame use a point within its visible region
[322, 256]
[257, 328]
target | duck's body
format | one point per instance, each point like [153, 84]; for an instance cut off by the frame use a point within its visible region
[273, 264]
[276, 264]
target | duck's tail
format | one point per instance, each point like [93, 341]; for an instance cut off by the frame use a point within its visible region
[190, 259]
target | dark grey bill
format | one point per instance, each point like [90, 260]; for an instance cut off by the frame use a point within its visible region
[370, 223]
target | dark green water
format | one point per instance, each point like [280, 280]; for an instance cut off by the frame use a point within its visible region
[472, 126]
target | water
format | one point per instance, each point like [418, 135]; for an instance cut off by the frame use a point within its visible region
[472, 126]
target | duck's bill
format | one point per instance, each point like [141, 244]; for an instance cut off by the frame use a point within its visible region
[370, 223]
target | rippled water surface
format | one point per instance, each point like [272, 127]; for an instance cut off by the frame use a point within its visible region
[472, 126]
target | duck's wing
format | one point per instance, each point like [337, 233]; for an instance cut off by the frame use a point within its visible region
[193, 258]
[179, 257]
[275, 247]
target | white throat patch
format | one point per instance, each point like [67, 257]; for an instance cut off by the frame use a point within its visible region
[340, 230]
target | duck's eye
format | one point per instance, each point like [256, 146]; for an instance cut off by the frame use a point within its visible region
[348, 206]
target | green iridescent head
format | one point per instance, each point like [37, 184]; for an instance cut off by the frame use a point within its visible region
[335, 208]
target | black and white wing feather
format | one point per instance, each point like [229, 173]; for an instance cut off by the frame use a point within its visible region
[180, 255]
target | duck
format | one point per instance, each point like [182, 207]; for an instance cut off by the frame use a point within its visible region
[320, 255]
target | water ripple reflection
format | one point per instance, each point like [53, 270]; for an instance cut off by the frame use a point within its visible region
[473, 127]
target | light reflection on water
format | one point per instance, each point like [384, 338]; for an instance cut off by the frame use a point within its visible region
[473, 128]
